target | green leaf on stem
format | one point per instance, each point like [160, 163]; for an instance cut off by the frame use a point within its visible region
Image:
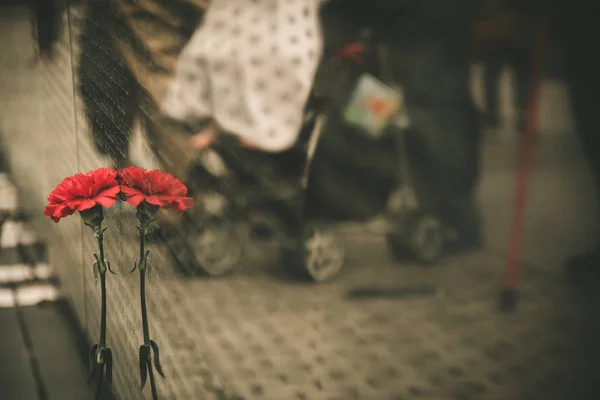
[100, 357]
[110, 269]
[144, 352]
[95, 267]
[143, 262]
[157, 358]
[149, 267]
[133, 269]
[108, 360]
[93, 363]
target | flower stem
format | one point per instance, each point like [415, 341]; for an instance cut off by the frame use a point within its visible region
[152, 382]
[102, 343]
[99, 387]
[143, 266]
[102, 272]
[99, 351]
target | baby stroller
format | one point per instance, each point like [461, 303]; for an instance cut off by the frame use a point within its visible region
[288, 195]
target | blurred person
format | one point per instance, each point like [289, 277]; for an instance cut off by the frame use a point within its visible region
[580, 32]
[111, 105]
[251, 79]
[505, 36]
[429, 41]
[431, 61]
[46, 23]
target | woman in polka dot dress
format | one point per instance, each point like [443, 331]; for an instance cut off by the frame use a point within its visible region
[249, 69]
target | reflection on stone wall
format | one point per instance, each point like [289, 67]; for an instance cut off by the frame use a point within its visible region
[107, 98]
[50, 137]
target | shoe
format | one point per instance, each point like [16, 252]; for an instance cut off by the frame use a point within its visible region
[521, 124]
[585, 266]
[492, 121]
[466, 234]
[42, 57]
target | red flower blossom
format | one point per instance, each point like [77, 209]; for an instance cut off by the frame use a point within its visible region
[154, 187]
[81, 192]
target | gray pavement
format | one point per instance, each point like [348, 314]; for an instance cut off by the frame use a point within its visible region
[16, 375]
[39, 348]
[255, 335]
[40, 356]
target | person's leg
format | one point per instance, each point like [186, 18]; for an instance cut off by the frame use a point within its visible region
[34, 27]
[471, 228]
[521, 60]
[584, 87]
[460, 210]
[46, 22]
[492, 70]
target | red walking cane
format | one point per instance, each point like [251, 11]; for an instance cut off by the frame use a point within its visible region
[508, 298]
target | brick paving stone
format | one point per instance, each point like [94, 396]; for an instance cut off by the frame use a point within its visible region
[313, 340]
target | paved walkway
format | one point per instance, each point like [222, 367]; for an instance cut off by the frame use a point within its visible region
[257, 336]
[38, 344]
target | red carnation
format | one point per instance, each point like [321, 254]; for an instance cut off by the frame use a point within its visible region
[81, 192]
[154, 187]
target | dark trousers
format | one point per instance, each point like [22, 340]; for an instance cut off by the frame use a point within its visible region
[47, 21]
[583, 79]
[519, 59]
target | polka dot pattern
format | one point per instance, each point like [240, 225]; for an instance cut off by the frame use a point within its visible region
[250, 66]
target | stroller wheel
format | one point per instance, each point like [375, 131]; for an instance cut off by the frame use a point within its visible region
[182, 255]
[421, 238]
[218, 249]
[320, 256]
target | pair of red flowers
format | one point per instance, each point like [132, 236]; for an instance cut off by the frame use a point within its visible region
[103, 186]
